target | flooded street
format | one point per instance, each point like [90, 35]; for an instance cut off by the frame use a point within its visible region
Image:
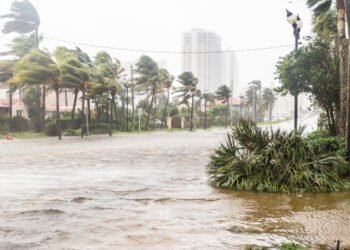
[147, 191]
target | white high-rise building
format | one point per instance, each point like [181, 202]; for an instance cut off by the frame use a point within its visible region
[207, 67]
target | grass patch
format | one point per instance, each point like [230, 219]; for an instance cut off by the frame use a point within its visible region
[24, 135]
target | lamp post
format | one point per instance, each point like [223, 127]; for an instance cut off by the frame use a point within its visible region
[297, 24]
[241, 106]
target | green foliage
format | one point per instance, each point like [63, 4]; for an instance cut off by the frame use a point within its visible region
[274, 161]
[322, 140]
[292, 246]
[98, 128]
[51, 129]
[315, 70]
[14, 124]
[72, 132]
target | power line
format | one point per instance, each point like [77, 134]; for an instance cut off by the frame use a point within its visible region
[161, 51]
[165, 51]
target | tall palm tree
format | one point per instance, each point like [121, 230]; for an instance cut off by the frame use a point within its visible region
[268, 101]
[38, 66]
[187, 90]
[167, 82]
[223, 94]
[107, 79]
[255, 86]
[149, 79]
[23, 18]
[321, 9]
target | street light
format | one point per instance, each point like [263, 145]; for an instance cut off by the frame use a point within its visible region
[297, 24]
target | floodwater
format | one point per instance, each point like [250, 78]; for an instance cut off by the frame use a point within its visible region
[147, 191]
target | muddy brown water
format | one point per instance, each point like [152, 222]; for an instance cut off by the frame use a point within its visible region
[147, 191]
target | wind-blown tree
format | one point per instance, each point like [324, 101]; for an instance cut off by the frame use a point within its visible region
[38, 66]
[167, 82]
[223, 94]
[323, 20]
[252, 98]
[150, 80]
[107, 80]
[268, 101]
[23, 18]
[316, 70]
[75, 75]
[187, 91]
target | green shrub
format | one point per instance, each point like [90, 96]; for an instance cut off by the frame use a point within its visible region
[274, 161]
[18, 124]
[72, 132]
[292, 246]
[99, 128]
[51, 129]
[4, 124]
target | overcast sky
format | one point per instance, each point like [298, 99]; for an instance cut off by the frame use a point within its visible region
[158, 24]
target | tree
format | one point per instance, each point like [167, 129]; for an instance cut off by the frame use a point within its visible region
[107, 79]
[268, 101]
[167, 82]
[38, 66]
[75, 74]
[252, 98]
[323, 18]
[223, 94]
[315, 67]
[149, 79]
[23, 19]
[188, 90]
[6, 74]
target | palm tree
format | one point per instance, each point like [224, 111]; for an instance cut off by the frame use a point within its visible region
[107, 79]
[167, 82]
[149, 79]
[23, 19]
[255, 86]
[223, 94]
[268, 101]
[321, 10]
[38, 66]
[187, 90]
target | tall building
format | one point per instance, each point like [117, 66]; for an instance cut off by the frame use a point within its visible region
[207, 67]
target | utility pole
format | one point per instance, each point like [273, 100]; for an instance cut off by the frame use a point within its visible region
[127, 106]
[132, 97]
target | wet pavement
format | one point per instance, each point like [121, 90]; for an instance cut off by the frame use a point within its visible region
[147, 191]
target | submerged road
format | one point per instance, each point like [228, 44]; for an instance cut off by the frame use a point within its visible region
[147, 191]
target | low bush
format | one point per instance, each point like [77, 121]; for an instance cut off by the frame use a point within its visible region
[51, 129]
[14, 124]
[275, 161]
[72, 132]
[99, 128]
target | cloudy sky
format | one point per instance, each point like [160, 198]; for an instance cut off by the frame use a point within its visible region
[158, 24]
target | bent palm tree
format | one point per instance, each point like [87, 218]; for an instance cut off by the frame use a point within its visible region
[38, 66]
[268, 101]
[208, 97]
[167, 82]
[187, 90]
[223, 94]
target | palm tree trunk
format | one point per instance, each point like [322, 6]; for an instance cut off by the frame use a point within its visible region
[115, 114]
[38, 107]
[82, 114]
[150, 108]
[76, 91]
[58, 122]
[132, 98]
[66, 96]
[191, 125]
[44, 106]
[88, 111]
[165, 108]
[343, 57]
[111, 115]
[347, 13]
[155, 110]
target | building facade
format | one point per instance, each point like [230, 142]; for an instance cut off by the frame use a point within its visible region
[202, 55]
